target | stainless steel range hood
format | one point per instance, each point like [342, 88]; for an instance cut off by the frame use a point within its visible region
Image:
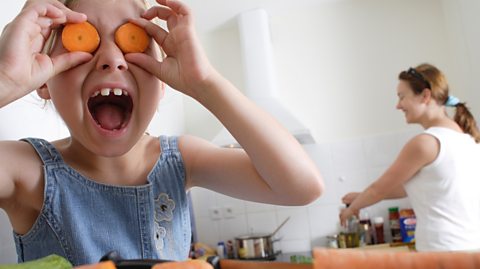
[260, 78]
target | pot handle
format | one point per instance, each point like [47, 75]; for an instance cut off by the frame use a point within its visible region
[278, 228]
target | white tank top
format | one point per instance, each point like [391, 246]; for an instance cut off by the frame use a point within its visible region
[445, 195]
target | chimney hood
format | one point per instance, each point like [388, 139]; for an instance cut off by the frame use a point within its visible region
[259, 76]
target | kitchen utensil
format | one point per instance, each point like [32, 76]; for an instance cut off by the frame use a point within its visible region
[257, 246]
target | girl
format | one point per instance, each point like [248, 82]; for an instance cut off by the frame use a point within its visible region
[437, 170]
[109, 186]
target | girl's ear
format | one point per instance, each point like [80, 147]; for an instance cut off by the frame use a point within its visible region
[43, 92]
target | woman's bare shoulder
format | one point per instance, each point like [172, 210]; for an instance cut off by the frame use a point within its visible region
[423, 148]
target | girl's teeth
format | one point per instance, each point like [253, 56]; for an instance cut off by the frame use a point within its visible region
[105, 92]
[117, 91]
[96, 93]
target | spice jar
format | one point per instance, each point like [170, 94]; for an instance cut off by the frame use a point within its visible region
[378, 225]
[394, 220]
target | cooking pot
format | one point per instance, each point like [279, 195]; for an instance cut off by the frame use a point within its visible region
[257, 246]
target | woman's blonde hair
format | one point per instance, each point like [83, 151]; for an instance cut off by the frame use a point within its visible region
[428, 76]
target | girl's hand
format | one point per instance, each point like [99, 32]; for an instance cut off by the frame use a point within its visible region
[23, 67]
[186, 66]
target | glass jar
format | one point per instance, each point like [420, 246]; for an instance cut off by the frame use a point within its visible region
[394, 221]
[379, 234]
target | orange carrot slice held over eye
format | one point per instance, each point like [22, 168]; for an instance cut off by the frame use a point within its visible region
[131, 38]
[80, 37]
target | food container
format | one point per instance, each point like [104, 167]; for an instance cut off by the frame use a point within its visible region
[257, 246]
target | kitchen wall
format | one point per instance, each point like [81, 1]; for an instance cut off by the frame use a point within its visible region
[348, 165]
[464, 39]
[337, 61]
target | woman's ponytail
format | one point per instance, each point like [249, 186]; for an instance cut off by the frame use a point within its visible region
[466, 121]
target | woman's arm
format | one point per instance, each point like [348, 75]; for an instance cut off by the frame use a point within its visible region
[418, 152]
[397, 193]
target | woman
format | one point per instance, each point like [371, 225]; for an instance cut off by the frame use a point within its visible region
[437, 169]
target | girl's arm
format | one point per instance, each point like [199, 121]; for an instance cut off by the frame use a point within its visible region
[24, 68]
[272, 167]
[417, 153]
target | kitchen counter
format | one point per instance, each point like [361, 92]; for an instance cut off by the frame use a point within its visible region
[295, 257]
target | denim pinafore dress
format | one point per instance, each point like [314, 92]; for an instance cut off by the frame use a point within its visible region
[82, 220]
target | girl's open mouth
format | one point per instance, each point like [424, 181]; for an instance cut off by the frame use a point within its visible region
[111, 108]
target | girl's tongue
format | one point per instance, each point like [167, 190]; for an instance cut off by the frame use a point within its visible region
[109, 116]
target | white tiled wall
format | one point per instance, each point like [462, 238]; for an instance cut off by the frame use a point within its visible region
[346, 166]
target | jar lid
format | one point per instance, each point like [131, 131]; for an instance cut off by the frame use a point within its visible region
[378, 220]
[393, 209]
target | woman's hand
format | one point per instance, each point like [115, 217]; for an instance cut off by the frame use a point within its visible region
[23, 66]
[345, 214]
[349, 197]
[186, 66]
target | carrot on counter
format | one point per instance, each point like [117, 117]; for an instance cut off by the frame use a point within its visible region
[100, 265]
[366, 259]
[131, 38]
[190, 264]
[80, 37]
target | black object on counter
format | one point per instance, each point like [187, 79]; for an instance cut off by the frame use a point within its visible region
[120, 263]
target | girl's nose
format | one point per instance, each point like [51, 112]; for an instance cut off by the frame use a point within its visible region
[110, 58]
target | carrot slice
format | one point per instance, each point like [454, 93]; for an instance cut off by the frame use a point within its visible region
[80, 37]
[131, 38]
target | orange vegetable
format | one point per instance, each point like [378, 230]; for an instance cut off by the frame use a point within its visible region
[80, 37]
[101, 265]
[131, 38]
[190, 264]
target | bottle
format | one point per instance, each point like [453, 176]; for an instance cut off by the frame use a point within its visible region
[221, 251]
[230, 250]
[378, 224]
[352, 231]
[366, 230]
[352, 234]
[341, 240]
[394, 221]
